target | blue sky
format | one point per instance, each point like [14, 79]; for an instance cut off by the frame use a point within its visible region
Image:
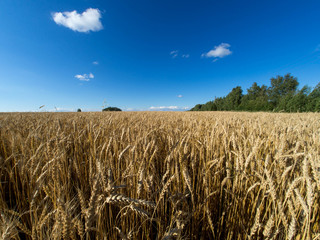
[150, 55]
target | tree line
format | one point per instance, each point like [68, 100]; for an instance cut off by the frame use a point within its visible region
[282, 96]
[108, 109]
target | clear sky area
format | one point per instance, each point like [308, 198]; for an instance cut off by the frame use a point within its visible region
[150, 55]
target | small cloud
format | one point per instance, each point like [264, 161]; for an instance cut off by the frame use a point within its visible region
[84, 77]
[95, 63]
[60, 109]
[134, 109]
[87, 21]
[219, 51]
[179, 96]
[163, 107]
[174, 53]
[168, 108]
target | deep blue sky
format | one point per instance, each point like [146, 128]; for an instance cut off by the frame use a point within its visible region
[151, 54]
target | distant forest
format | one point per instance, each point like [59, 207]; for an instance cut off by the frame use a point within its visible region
[282, 96]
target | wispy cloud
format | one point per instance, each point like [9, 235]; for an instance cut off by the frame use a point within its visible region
[219, 51]
[84, 77]
[179, 96]
[135, 109]
[87, 21]
[317, 48]
[174, 53]
[95, 63]
[61, 109]
[168, 108]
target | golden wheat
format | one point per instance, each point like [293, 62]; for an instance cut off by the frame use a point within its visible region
[152, 175]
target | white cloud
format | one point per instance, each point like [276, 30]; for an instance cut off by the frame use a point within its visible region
[95, 62]
[168, 108]
[87, 21]
[179, 96]
[174, 53]
[84, 77]
[163, 107]
[135, 109]
[60, 109]
[219, 51]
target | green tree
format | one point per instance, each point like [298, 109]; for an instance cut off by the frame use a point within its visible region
[196, 107]
[233, 99]
[282, 95]
[298, 102]
[254, 91]
[280, 87]
[313, 101]
[111, 109]
[209, 106]
[212, 106]
[294, 102]
[256, 99]
[79, 110]
[220, 103]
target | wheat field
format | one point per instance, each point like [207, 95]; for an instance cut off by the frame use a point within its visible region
[159, 175]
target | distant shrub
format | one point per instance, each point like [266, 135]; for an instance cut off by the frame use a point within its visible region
[109, 109]
[79, 110]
